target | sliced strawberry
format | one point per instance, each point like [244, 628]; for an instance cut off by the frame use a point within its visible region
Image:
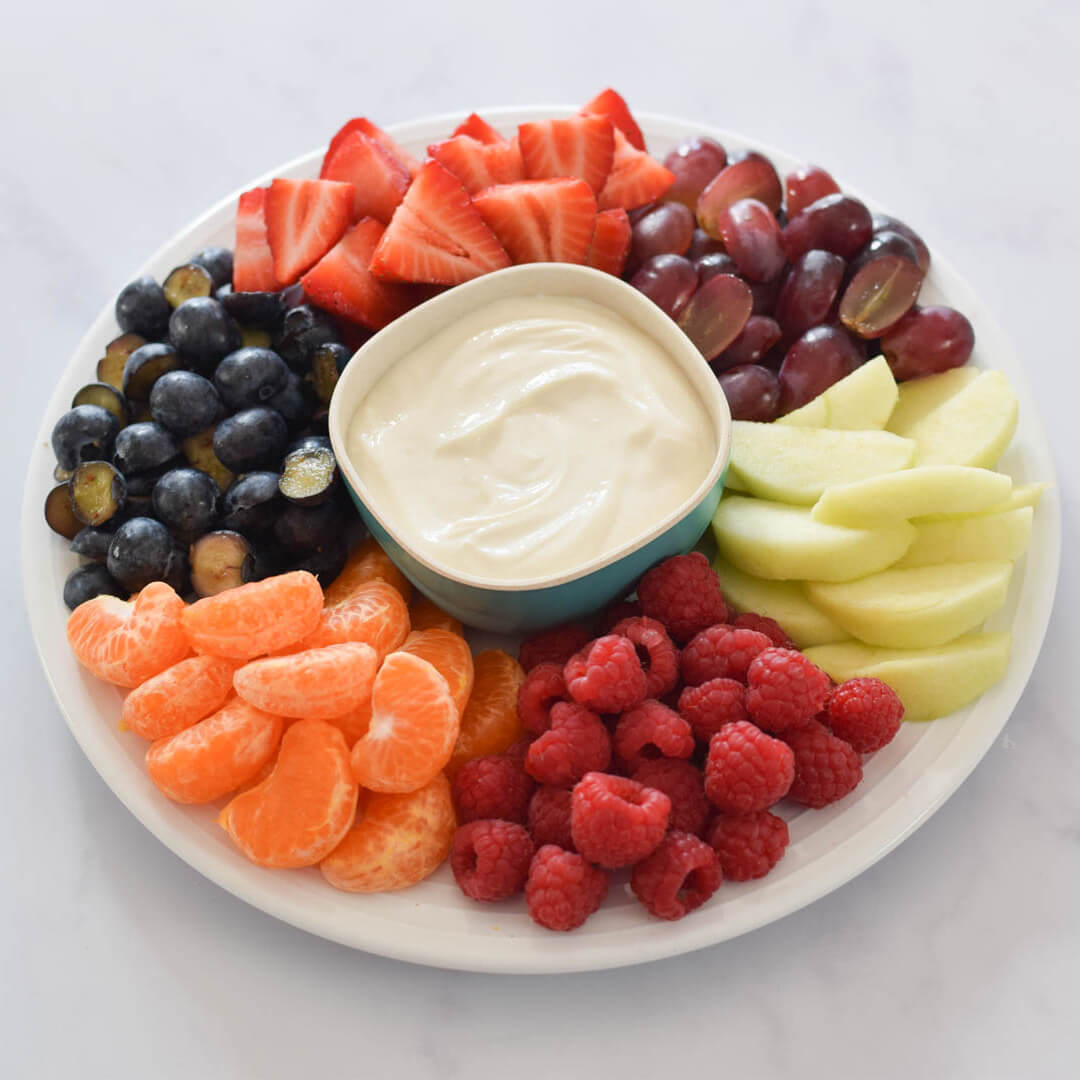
[609, 103]
[610, 242]
[478, 166]
[581, 146]
[479, 129]
[437, 235]
[304, 220]
[366, 127]
[541, 220]
[636, 178]
[379, 180]
[253, 264]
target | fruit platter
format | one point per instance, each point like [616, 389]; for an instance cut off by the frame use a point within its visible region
[270, 593]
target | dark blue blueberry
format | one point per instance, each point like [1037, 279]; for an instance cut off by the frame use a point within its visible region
[203, 331]
[185, 402]
[218, 261]
[303, 330]
[142, 550]
[251, 503]
[259, 310]
[186, 501]
[251, 439]
[84, 433]
[141, 448]
[250, 376]
[141, 308]
[86, 582]
[92, 543]
[302, 529]
[293, 402]
[326, 561]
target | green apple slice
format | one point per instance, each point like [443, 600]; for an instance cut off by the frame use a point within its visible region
[917, 398]
[814, 413]
[1002, 535]
[863, 400]
[1020, 496]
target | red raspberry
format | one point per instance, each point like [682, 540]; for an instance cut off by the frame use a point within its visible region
[679, 876]
[549, 817]
[721, 652]
[683, 592]
[615, 613]
[865, 713]
[543, 686]
[660, 659]
[615, 821]
[563, 890]
[490, 859]
[554, 646]
[749, 845]
[826, 767]
[519, 751]
[764, 625]
[711, 705]
[747, 770]
[606, 675]
[492, 787]
[577, 743]
[683, 784]
[651, 730]
[785, 689]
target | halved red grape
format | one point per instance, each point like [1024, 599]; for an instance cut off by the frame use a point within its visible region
[821, 357]
[752, 177]
[666, 230]
[753, 239]
[752, 392]
[836, 223]
[809, 292]
[880, 293]
[716, 262]
[703, 244]
[694, 162]
[758, 336]
[882, 222]
[668, 281]
[805, 186]
[886, 242]
[716, 314]
[928, 340]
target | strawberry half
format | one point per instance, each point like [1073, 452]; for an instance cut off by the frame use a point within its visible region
[379, 180]
[437, 235]
[610, 242]
[479, 129]
[477, 165]
[304, 220]
[253, 263]
[611, 104]
[342, 282]
[636, 178]
[581, 146]
[541, 220]
[366, 127]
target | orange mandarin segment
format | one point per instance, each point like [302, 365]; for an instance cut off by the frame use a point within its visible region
[304, 808]
[425, 614]
[180, 696]
[489, 724]
[451, 657]
[256, 618]
[354, 724]
[128, 643]
[367, 562]
[216, 755]
[414, 725]
[397, 840]
[373, 613]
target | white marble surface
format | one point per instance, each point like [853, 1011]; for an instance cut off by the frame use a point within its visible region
[957, 956]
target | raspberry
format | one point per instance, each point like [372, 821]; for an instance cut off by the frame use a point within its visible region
[683, 592]
[865, 713]
[490, 859]
[519, 751]
[711, 705]
[651, 730]
[826, 767]
[554, 646]
[616, 613]
[543, 686]
[747, 770]
[749, 845]
[721, 652]
[492, 787]
[679, 876]
[615, 821]
[563, 890]
[661, 658]
[549, 817]
[764, 625]
[606, 675]
[683, 784]
[577, 743]
[785, 689]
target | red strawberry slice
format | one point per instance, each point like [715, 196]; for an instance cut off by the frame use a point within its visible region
[610, 241]
[437, 235]
[478, 166]
[304, 220]
[253, 264]
[636, 178]
[379, 180]
[581, 146]
[479, 129]
[342, 283]
[541, 220]
[609, 103]
[366, 127]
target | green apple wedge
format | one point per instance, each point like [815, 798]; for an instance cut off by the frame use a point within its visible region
[780, 542]
[915, 608]
[1021, 495]
[815, 413]
[863, 400]
[917, 398]
[931, 682]
[1003, 535]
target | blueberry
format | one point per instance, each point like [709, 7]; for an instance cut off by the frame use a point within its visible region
[141, 308]
[303, 330]
[142, 447]
[84, 433]
[262, 310]
[141, 551]
[92, 543]
[218, 261]
[310, 442]
[203, 331]
[86, 582]
[327, 363]
[251, 503]
[144, 367]
[326, 561]
[186, 501]
[303, 529]
[250, 377]
[141, 484]
[293, 402]
[184, 402]
[251, 439]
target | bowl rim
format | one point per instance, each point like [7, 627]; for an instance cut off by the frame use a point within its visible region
[664, 330]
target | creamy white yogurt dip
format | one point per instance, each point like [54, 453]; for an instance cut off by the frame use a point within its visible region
[530, 438]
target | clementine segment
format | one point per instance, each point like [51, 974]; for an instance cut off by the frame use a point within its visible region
[489, 724]
[355, 723]
[367, 562]
[425, 614]
[178, 697]
[451, 657]
[373, 613]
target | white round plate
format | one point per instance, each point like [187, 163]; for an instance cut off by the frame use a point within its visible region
[433, 923]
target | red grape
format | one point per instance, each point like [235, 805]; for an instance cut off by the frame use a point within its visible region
[668, 281]
[667, 230]
[880, 293]
[821, 357]
[758, 336]
[694, 162]
[882, 222]
[716, 262]
[928, 340]
[752, 177]
[809, 292]
[752, 392]
[885, 242]
[702, 244]
[753, 239]
[716, 314]
[765, 294]
[836, 223]
[805, 186]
